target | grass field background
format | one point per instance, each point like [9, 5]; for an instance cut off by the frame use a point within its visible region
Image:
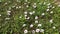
[15, 13]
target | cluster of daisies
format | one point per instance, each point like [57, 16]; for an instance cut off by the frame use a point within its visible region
[31, 13]
[36, 17]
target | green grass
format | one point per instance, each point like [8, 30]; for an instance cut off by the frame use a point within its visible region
[14, 25]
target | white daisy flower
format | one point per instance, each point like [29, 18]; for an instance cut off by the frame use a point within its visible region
[33, 31]
[34, 3]
[0, 14]
[8, 11]
[27, 6]
[39, 25]
[47, 10]
[8, 14]
[51, 21]
[6, 3]
[25, 15]
[54, 27]
[36, 21]
[34, 6]
[25, 3]
[48, 7]
[28, 18]
[13, 6]
[40, 3]
[28, 2]
[20, 7]
[41, 30]
[51, 12]
[24, 25]
[53, 7]
[7, 18]
[33, 11]
[31, 25]
[44, 3]
[17, 7]
[25, 31]
[36, 17]
[30, 13]
[43, 14]
[37, 30]
[20, 17]
[25, 12]
[49, 4]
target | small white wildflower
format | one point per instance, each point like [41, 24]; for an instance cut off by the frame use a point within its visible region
[49, 4]
[27, 6]
[44, 3]
[34, 6]
[51, 21]
[53, 7]
[20, 17]
[33, 11]
[47, 10]
[41, 30]
[8, 14]
[25, 15]
[28, 2]
[31, 25]
[43, 14]
[34, 3]
[25, 12]
[25, 3]
[39, 25]
[28, 18]
[48, 7]
[51, 12]
[17, 7]
[54, 27]
[8, 11]
[37, 30]
[13, 6]
[36, 17]
[30, 13]
[0, 14]
[20, 7]
[25, 31]
[36, 21]
[40, 3]
[24, 25]
[6, 3]
[7, 18]
[33, 31]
